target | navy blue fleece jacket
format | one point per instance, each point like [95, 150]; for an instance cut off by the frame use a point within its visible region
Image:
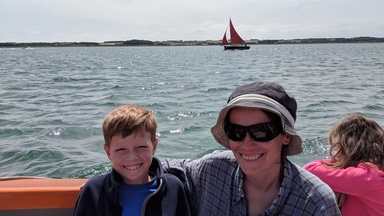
[100, 195]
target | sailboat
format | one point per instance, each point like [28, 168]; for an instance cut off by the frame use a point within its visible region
[236, 42]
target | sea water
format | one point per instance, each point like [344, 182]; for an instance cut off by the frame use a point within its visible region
[53, 100]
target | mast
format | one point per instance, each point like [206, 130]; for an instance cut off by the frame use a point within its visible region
[235, 37]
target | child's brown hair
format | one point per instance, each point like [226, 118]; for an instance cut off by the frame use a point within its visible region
[129, 119]
[356, 139]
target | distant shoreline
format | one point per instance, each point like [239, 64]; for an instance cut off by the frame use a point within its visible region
[137, 42]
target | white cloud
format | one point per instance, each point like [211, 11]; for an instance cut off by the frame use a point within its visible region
[100, 20]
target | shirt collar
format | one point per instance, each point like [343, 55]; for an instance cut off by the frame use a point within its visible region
[284, 189]
[282, 195]
[238, 193]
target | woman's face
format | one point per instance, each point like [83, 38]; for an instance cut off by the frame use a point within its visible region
[255, 157]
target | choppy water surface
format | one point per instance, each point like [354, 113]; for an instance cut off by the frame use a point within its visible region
[53, 100]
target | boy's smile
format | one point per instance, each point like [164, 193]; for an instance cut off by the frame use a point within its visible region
[132, 167]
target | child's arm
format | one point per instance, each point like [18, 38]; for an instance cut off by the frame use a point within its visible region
[358, 180]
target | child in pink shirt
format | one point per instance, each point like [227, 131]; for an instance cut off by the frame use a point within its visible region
[356, 165]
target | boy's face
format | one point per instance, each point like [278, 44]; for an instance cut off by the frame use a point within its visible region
[132, 156]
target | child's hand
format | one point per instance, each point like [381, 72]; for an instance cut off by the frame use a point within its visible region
[340, 198]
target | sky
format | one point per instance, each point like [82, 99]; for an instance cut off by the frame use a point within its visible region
[162, 20]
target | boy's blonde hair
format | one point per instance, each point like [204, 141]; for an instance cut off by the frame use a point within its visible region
[129, 119]
[356, 139]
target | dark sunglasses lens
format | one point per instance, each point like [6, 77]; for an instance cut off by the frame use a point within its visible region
[235, 132]
[264, 132]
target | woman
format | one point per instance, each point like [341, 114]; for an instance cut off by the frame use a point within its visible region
[254, 177]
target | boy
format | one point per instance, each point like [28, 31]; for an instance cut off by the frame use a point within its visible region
[137, 184]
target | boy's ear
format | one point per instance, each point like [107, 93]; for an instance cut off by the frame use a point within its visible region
[154, 144]
[106, 149]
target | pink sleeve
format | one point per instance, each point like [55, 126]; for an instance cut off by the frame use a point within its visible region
[352, 180]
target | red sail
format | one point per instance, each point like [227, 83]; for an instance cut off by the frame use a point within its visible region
[235, 38]
[224, 41]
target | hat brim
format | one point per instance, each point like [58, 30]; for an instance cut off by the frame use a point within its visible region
[294, 147]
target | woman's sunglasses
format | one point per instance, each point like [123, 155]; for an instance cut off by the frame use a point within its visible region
[262, 132]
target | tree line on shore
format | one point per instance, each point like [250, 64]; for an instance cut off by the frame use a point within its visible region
[137, 42]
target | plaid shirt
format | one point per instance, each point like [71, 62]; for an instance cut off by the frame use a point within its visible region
[215, 187]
